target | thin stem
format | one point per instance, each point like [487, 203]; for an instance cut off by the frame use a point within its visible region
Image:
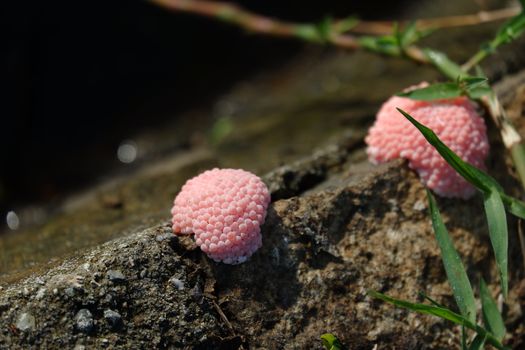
[474, 60]
[385, 27]
[233, 14]
[251, 21]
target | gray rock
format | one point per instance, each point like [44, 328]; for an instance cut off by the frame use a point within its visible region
[113, 318]
[177, 283]
[25, 322]
[84, 321]
[116, 276]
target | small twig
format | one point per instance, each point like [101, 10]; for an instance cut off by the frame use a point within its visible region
[234, 14]
[385, 27]
[256, 23]
[223, 316]
[474, 60]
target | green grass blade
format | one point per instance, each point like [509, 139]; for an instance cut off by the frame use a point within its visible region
[467, 171]
[425, 309]
[515, 206]
[478, 343]
[498, 233]
[478, 178]
[463, 338]
[456, 273]
[442, 313]
[491, 315]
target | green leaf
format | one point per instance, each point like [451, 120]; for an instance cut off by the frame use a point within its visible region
[330, 342]
[497, 220]
[473, 82]
[444, 64]
[442, 313]
[491, 315]
[475, 87]
[479, 92]
[436, 91]
[386, 45]
[409, 35]
[456, 273]
[324, 29]
[478, 343]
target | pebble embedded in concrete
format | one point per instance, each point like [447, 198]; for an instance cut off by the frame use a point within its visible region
[113, 318]
[25, 322]
[116, 276]
[177, 283]
[84, 321]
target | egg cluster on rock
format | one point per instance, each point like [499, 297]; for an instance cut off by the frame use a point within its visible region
[456, 123]
[224, 208]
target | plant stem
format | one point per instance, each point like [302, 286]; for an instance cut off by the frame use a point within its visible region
[474, 60]
[236, 15]
[385, 27]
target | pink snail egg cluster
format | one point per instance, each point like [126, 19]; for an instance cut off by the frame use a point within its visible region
[456, 123]
[224, 208]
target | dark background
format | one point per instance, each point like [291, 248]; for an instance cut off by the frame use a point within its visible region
[79, 77]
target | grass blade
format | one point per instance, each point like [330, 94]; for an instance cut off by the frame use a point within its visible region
[464, 169]
[463, 338]
[497, 220]
[456, 274]
[478, 343]
[426, 309]
[478, 178]
[515, 206]
[442, 313]
[491, 315]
